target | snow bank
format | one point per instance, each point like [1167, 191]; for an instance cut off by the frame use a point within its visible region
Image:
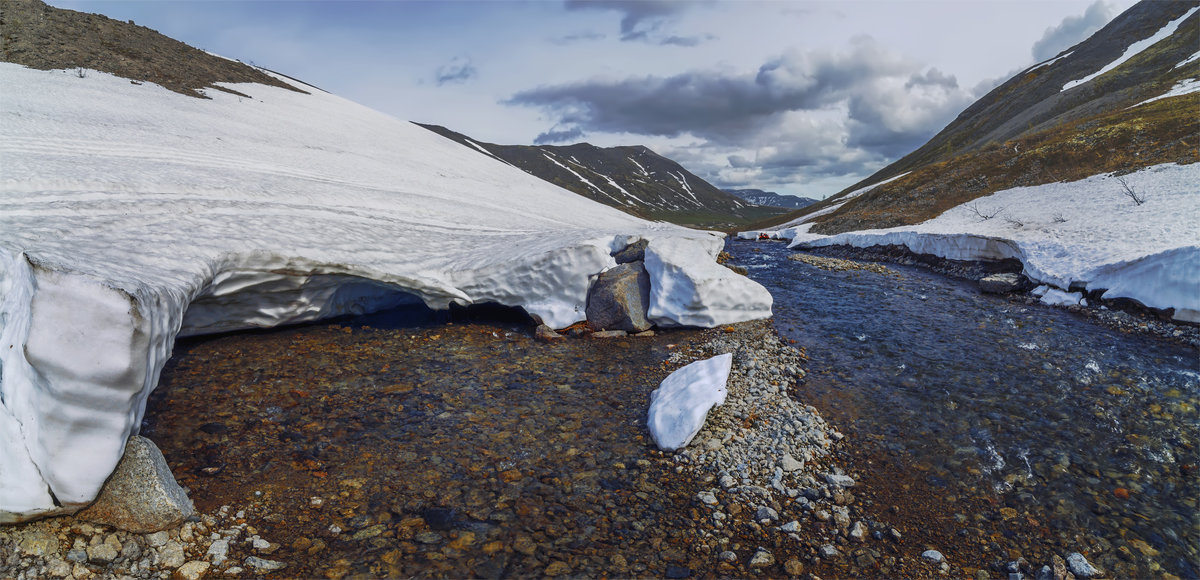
[130, 214]
[1086, 232]
[680, 404]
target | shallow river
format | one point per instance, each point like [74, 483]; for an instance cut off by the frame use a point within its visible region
[1082, 432]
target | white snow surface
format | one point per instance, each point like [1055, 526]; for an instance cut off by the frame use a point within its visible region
[680, 404]
[130, 214]
[1135, 49]
[1087, 231]
[1049, 62]
[1181, 88]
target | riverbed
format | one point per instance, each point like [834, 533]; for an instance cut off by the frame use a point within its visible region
[1027, 427]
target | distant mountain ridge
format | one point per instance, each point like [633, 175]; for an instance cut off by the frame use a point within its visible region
[772, 199]
[633, 179]
[1085, 112]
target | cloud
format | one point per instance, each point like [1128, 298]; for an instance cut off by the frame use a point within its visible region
[800, 116]
[643, 20]
[458, 70]
[553, 136]
[1071, 31]
[578, 37]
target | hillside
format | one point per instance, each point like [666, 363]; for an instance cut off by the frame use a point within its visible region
[46, 38]
[1052, 122]
[633, 179]
[772, 199]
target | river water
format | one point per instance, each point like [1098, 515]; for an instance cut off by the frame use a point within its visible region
[1064, 426]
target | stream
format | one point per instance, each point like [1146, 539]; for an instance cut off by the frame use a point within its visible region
[1088, 433]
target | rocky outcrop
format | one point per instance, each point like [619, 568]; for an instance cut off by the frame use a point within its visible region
[141, 496]
[619, 299]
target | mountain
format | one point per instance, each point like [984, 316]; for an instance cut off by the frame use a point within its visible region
[1100, 106]
[772, 199]
[633, 179]
[1083, 168]
[133, 212]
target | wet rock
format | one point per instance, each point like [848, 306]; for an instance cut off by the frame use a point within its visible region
[194, 570]
[762, 558]
[218, 551]
[609, 334]
[171, 555]
[766, 513]
[790, 527]
[620, 298]
[1080, 567]
[262, 565]
[546, 334]
[828, 551]
[793, 567]
[933, 556]
[635, 252]
[674, 571]
[557, 568]
[858, 531]
[707, 498]
[1000, 283]
[141, 495]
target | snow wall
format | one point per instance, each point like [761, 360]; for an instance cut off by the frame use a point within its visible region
[1085, 232]
[130, 215]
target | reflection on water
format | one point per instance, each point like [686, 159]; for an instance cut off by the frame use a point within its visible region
[1089, 432]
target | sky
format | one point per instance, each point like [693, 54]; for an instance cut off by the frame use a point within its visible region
[798, 97]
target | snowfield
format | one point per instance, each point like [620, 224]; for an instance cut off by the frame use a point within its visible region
[130, 215]
[1088, 232]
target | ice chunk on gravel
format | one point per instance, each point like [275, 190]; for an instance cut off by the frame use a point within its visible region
[679, 406]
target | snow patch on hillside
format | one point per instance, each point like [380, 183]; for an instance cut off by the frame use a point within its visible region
[1136, 49]
[1087, 232]
[130, 214]
[1184, 87]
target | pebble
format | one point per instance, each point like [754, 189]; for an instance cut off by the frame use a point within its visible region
[263, 565]
[933, 556]
[762, 558]
[858, 531]
[218, 551]
[766, 514]
[829, 551]
[193, 570]
[790, 527]
[1080, 566]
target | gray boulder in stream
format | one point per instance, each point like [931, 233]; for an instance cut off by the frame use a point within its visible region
[620, 298]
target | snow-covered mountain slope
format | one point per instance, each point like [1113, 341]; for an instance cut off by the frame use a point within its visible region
[1088, 233]
[633, 179]
[1033, 171]
[770, 198]
[130, 214]
[1121, 100]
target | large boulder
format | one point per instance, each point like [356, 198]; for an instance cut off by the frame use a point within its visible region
[619, 299]
[141, 496]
